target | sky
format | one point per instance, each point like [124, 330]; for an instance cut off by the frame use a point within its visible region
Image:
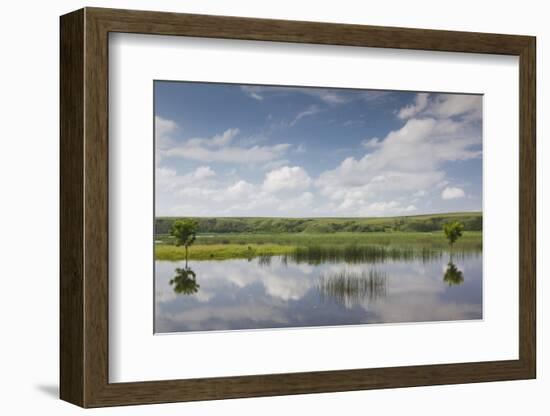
[233, 150]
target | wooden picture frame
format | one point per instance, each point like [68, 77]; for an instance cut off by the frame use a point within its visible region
[84, 207]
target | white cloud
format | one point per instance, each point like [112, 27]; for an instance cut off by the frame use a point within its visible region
[253, 92]
[310, 111]
[218, 199]
[371, 143]
[255, 154]
[218, 140]
[164, 129]
[467, 107]
[275, 164]
[406, 161]
[328, 96]
[452, 193]
[386, 208]
[452, 105]
[334, 97]
[219, 148]
[241, 189]
[420, 103]
[302, 201]
[204, 172]
[168, 180]
[287, 179]
[164, 126]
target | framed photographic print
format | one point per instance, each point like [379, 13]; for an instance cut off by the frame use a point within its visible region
[255, 207]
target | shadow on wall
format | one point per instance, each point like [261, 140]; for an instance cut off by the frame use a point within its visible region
[51, 390]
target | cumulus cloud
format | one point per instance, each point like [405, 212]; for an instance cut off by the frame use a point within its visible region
[204, 192]
[383, 208]
[452, 193]
[287, 179]
[164, 126]
[406, 161]
[204, 172]
[241, 189]
[218, 199]
[291, 204]
[169, 180]
[164, 130]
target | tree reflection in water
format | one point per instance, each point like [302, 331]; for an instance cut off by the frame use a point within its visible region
[351, 288]
[453, 276]
[184, 281]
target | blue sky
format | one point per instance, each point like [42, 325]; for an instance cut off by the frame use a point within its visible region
[243, 150]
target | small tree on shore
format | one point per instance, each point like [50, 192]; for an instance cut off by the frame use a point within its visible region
[453, 231]
[185, 232]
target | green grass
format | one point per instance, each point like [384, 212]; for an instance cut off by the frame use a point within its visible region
[220, 251]
[353, 245]
[434, 239]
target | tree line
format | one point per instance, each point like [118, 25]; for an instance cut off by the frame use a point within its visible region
[211, 225]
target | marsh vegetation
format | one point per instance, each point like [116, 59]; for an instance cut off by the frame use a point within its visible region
[252, 240]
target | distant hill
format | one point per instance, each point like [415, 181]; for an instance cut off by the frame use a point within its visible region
[424, 223]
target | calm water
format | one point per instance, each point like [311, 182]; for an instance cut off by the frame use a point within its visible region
[278, 292]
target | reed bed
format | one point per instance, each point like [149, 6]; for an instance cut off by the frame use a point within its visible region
[351, 288]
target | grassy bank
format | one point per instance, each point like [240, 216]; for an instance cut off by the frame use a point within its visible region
[220, 251]
[231, 246]
[434, 240]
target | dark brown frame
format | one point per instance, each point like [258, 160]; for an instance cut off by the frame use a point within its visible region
[84, 207]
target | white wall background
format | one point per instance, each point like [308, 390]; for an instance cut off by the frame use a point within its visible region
[29, 84]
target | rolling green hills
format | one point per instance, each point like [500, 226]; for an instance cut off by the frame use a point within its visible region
[250, 225]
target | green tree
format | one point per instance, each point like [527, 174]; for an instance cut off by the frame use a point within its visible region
[453, 231]
[185, 232]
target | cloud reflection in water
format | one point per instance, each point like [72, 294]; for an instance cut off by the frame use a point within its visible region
[250, 294]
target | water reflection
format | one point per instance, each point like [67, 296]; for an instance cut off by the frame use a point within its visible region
[264, 260]
[356, 254]
[352, 288]
[453, 276]
[281, 291]
[185, 281]
[369, 254]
